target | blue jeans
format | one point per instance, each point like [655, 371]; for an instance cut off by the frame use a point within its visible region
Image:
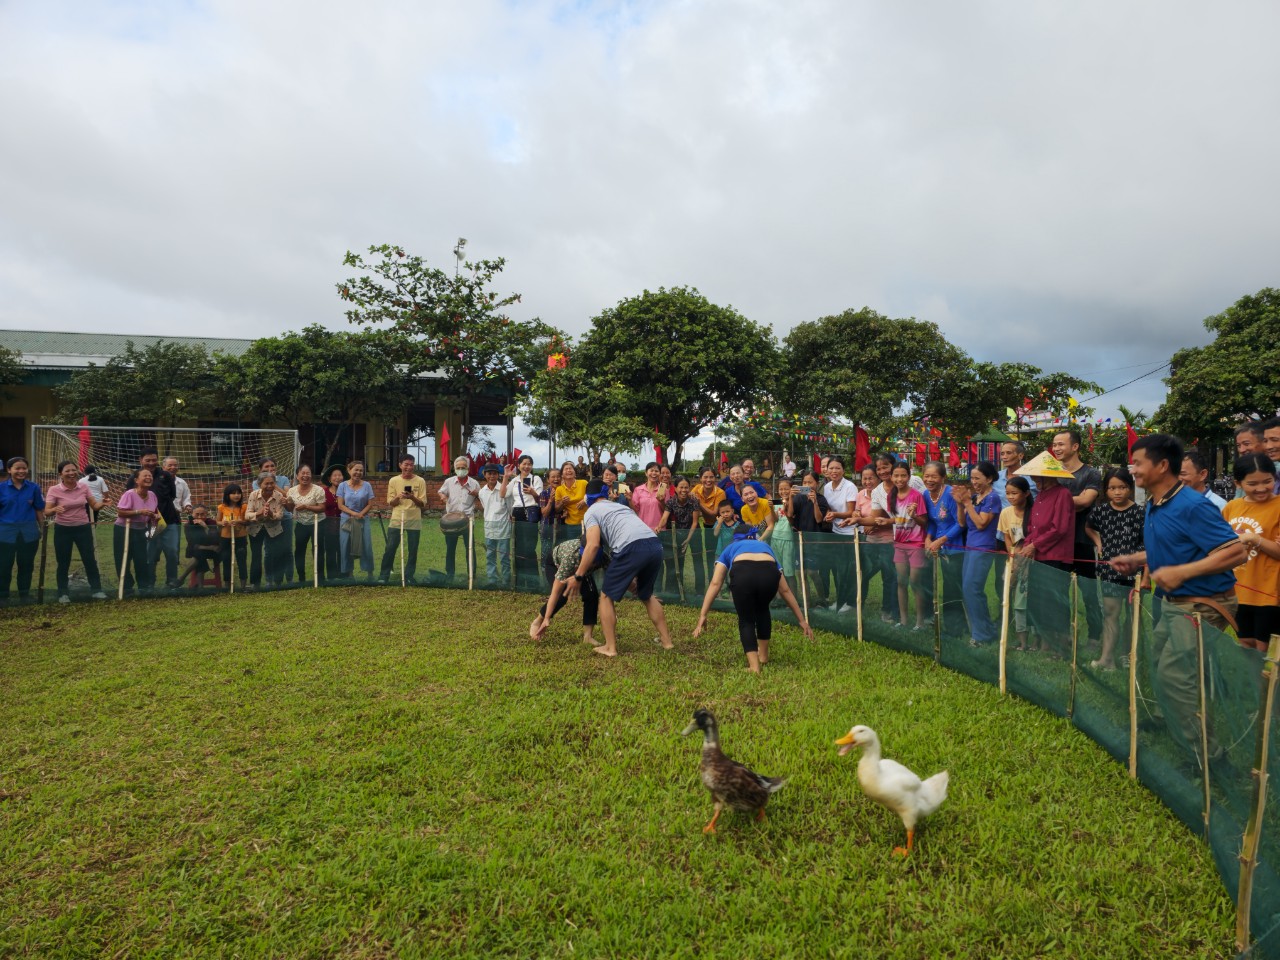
[345, 560]
[166, 541]
[495, 552]
[977, 568]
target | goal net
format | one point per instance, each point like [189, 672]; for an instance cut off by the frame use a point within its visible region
[208, 458]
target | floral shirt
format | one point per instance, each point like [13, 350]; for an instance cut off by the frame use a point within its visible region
[682, 514]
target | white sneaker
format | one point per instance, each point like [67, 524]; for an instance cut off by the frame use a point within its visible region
[99, 595]
[845, 609]
[835, 606]
[64, 599]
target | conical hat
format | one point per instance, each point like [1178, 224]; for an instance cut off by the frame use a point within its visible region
[1045, 465]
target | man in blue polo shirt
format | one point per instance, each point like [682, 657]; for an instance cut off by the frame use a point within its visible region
[1190, 554]
[636, 555]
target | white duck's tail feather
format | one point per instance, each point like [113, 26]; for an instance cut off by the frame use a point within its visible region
[774, 784]
[932, 792]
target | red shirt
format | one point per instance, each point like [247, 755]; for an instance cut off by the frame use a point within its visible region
[1052, 527]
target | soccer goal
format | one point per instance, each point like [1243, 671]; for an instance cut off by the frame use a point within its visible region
[208, 457]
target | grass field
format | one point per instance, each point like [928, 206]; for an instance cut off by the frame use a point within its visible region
[372, 773]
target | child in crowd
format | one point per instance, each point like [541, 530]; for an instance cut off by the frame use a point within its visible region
[726, 520]
[1115, 527]
[1255, 517]
[232, 525]
[783, 540]
[910, 515]
[1013, 524]
[204, 544]
[496, 505]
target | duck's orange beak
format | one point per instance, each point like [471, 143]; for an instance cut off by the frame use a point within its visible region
[845, 744]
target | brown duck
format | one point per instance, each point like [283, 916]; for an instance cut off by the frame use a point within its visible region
[731, 784]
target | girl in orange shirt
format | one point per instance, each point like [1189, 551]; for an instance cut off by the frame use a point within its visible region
[231, 517]
[1256, 520]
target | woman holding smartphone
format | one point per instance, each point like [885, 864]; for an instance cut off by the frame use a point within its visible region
[525, 491]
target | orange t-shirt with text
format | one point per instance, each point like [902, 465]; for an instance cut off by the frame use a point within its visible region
[1258, 578]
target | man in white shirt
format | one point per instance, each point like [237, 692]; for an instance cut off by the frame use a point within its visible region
[182, 498]
[458, 494]
[788, 465]
[842, 500]
[1195, 474]
[495, 502]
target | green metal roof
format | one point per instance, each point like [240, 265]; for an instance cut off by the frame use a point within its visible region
[55, 349]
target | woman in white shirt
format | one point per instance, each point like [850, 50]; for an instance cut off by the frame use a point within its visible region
[306, 500]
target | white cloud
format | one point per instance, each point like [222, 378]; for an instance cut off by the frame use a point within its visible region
[1073, 185]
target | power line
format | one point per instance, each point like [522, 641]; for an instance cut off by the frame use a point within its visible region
[1128, 382]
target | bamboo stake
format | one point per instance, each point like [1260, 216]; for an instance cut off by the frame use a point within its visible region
[1004, 625]
[1253, 828]
[1075, 643]
[44, 541]
[804, 575]
[678, 547]
[471, 553]
[233, 553]
[124, 563]
[857, 572]
[937, 608]
[1133, 675]
[1204, 720]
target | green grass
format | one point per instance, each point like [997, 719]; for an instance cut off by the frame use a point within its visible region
[371, 773]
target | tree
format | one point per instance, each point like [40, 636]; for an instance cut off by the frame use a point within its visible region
[452, 327]
[686, 362]
[10, 371]
[968, 402]
[579, 408]
[316, 376]
[864, 366]
[1214, 388]
[163, 383]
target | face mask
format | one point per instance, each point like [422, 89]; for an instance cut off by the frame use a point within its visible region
[461, 471]
[622, 476]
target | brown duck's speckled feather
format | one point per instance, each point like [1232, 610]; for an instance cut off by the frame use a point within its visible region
[733, 784]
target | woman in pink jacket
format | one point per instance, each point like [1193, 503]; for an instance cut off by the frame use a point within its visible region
[1049, 546]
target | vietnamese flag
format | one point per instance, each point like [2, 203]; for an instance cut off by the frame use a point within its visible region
[973, 453]
[1133, 438]
[444, 448]
[920, 454]
[953, 457]
[935, 450]
[861, 450]
[82, 458]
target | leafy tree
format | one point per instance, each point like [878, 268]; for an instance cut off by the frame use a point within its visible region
[580, 408]
[1215, 387]
[450, 326]
[863, 365]
[686, 362]
[163, 383]
[316, 376]
[10, 371]
[969, 401]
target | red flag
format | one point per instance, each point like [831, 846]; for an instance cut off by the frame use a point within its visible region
[817, 464]
[1133, 438]
[953, 457]
[82, 459]
[861, 450]
[935, 450]
[919, 454]
[973, 452]
[445, 462]
[515, 455]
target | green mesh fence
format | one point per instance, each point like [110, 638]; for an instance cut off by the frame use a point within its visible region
[1148, 667]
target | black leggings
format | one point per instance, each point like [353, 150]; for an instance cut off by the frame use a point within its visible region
[590, 601]
[753, 585]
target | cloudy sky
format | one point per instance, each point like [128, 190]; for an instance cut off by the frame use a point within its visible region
[1073, 185]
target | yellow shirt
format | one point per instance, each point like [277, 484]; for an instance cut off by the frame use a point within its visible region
[406, 510]
[577, 500]
[709, 500]
[1258, 578]
[757, 517]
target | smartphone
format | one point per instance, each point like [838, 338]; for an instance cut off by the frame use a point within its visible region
[408, 489]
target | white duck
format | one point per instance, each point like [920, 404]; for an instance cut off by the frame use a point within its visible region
[892, 785]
